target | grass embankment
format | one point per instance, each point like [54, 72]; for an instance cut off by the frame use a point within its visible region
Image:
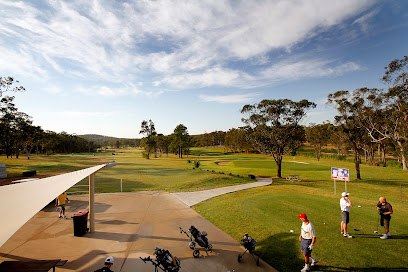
[269, 213]
[163, 173]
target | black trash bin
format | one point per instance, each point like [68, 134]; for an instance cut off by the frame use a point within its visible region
[80, 219]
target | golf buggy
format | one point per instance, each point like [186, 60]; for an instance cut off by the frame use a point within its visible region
[164, 260]
[249, 244]
[200, 238]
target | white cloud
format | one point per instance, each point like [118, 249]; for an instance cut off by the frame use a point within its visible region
[125, 90]
[178, 43]
[363, 21]
[295, 70]
[229, 99]
[83, 114]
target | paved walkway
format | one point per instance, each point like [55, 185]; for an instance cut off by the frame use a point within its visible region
[192, 198]
[128, 226]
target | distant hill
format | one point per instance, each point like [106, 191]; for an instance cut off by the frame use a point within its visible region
[97, 138]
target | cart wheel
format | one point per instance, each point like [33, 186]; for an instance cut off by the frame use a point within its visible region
[210, 247]
[257, 260]
[239, 258]
[196, 253]
[191, 245]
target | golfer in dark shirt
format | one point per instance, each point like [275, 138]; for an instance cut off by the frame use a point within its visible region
[385, 210]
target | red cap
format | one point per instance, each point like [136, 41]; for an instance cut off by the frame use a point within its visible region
[302, 215]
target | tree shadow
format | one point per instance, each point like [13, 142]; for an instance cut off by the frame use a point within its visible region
[281, 251]
[358, 269]
[376, 236]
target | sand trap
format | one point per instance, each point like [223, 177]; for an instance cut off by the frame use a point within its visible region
[299, 162]
[222, 163]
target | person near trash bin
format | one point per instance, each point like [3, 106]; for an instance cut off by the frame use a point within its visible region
[60, 202]
[345, 204]
[307, 240]
[385, 210]
[108, 264]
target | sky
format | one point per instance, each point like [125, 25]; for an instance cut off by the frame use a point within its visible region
[102, 67]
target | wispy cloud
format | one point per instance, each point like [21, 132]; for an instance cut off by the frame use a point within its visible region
[179, 44]
[229, 99]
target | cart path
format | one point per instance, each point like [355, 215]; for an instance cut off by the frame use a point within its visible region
[192, 198]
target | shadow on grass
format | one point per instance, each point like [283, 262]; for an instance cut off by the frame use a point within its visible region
[376, 236]
[357, 269]
[281, 251]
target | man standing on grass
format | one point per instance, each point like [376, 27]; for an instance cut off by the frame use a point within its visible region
[345, 205]
[307, 240]
[385, 210]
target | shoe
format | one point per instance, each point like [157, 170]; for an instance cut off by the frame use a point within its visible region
[347, 235]
[64, 217]
[342, 232]
[385, 236]
[60, 216]
[305, 268]
[389, 234]
[314, 262]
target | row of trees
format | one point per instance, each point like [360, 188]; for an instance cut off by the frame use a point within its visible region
[18, 134]
[368, 119]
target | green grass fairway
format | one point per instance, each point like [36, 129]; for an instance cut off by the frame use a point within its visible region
[164, 173]
[269, 213]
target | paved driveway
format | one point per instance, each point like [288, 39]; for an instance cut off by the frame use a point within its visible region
[128, 226]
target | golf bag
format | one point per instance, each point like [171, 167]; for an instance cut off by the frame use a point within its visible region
[249, 245]
[164, 260]
[200, 238]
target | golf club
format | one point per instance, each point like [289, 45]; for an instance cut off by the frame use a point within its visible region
[378, 220]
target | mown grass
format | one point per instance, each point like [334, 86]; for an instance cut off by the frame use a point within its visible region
[164, 173]
[268, 213]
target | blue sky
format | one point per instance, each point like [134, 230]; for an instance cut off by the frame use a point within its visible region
[102, 67]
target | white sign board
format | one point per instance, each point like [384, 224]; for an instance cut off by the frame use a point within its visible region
[340, 174]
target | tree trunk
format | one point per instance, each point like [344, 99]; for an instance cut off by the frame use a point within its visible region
[403, 157]
[279, 165]
[357, 163]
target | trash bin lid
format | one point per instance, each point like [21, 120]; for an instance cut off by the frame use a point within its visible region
[80, 213]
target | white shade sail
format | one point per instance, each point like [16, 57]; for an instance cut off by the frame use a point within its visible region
[19, 202]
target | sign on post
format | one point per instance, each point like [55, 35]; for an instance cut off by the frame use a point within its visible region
[340, 174]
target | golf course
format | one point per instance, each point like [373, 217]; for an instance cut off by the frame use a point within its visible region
[268, 214]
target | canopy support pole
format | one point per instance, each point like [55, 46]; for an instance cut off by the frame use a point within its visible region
[92, 203]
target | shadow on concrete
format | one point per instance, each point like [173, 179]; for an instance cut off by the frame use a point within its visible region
[114, 222]
[75, 205]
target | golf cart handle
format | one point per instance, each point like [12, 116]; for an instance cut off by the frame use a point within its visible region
[146, 259]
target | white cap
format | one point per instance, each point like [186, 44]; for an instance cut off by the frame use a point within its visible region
[344, 194]
[110, 260]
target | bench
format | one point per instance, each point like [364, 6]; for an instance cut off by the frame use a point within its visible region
[34, 265]
[293, 178]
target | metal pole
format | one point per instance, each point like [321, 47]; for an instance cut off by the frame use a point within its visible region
[121, 185]
[92, 202]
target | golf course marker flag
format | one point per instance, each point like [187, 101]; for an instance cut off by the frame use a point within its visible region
[340, 174]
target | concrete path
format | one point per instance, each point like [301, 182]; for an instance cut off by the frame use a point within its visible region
[128, 226]
[192, 198]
